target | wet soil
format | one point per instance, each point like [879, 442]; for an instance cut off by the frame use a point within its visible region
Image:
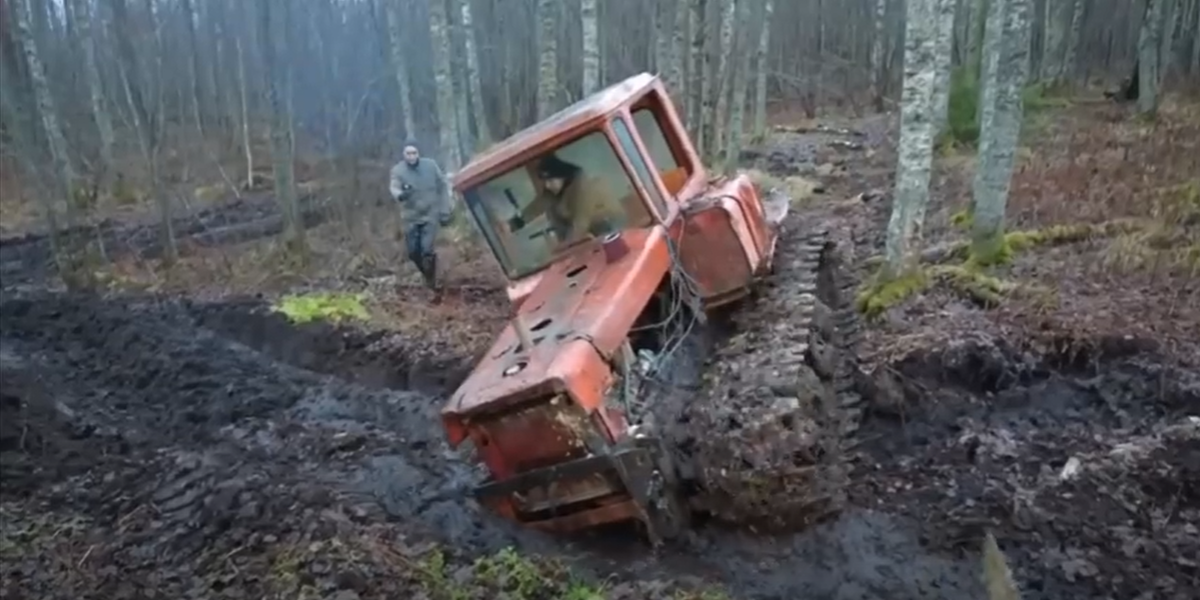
[183, 445]
[159, 448]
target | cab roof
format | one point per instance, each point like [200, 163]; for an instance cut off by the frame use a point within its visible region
[552, 131]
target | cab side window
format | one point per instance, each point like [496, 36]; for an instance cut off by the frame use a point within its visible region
[640, 168]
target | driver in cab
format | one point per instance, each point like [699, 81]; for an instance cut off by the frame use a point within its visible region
[574, 203]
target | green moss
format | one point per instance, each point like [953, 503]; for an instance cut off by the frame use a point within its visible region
[881, 294]
[323, 306]
[990, 250]
[972, 281]
[962, 219]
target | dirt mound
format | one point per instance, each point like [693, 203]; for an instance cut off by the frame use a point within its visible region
[1087, 475]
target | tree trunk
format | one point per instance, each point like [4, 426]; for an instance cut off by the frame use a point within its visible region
[64, 171]
[403, 83]
[916, 138]
[879, 55]
[664, 25]
[189, 15]
[678, 67]
[91, 72]
[484, 129]
[760, 74]
[1196, 41]
[741, 81]
[439, 31]
[1167, 47]
[720, 87]
[273, 49]
[590, 21]
[244, 106]
[698, 87]
[944, 49]
[1006, 71]
[1148, 49]
[547, 42]
[1074, 37]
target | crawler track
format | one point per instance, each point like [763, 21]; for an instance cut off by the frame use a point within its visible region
[778, 408]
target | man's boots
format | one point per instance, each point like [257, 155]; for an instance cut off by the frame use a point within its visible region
[429, 270]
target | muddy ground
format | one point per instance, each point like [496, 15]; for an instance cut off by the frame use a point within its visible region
[166, 448]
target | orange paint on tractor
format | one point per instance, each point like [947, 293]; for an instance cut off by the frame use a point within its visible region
[539, 407]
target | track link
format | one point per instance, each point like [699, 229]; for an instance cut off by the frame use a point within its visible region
[777, 413]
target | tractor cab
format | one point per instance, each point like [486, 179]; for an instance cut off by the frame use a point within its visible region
[631, 163]
[598, 217]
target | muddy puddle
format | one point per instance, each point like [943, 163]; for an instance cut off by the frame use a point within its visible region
[186, 432]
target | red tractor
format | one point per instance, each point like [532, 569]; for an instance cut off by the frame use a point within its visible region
[583, 410]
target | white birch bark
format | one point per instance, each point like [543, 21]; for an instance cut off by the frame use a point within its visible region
[741, 81]
[91, 73]
[942, 62]
[916, 137]
[591, 46]
[439, 31]
[1006, 71]
[698, 86]
[879, 55]
[721, 85]
[547, 47]
[760, 74]
[472, 68]
[678, 68]
[396, 47]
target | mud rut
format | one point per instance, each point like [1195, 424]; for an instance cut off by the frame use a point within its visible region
[188, 433]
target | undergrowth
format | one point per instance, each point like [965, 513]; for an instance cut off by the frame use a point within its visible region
[962, 111]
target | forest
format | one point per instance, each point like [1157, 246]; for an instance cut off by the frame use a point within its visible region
[221, 377]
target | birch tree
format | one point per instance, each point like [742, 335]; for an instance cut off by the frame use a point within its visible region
[722, 79]
[760, 73]
[64, 172]
[878, 54]
[1148, 52]
[1005, 70]
[1074, 36]
[483, 129]
[944, 48]
[395, 43]
[547, 48]
[741, 80]
[91, 73]
[698, 86]
[272, 49]
[589, 20]
[439, 30]
[917, 123]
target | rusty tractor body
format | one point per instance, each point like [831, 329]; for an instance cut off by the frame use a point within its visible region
[557, 407]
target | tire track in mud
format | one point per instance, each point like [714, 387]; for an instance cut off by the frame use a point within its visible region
[228, 445]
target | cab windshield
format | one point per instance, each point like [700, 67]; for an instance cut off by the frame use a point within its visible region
[528, 217]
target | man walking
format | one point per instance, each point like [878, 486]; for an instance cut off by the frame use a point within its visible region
[419, 187]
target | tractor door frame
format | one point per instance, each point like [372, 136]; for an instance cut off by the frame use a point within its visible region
[665, 203]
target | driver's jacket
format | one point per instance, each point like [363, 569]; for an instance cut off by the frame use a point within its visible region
[585, 206]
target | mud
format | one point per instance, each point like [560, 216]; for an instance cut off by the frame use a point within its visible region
[177, 434]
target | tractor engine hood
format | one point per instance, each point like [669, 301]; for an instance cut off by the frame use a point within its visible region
[576, 317]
